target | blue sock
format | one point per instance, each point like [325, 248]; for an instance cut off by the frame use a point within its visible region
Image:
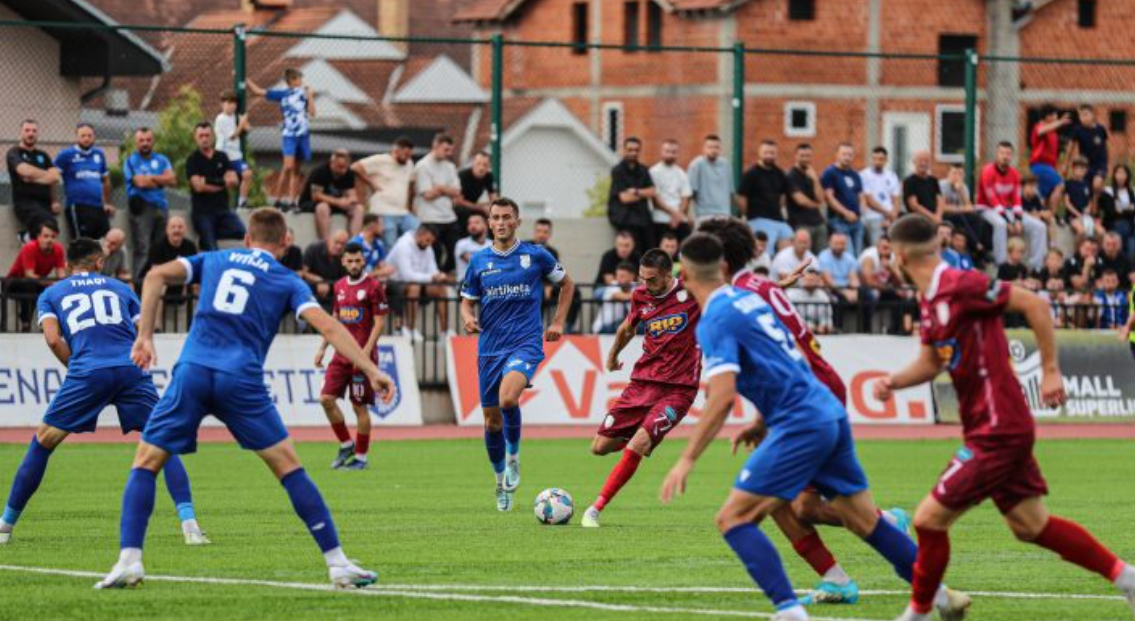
[137, 505]
[494, 444]
[28, 477]
[895, 546]
[309, 505]
[512, 429]
[759, 557]
[177, 482]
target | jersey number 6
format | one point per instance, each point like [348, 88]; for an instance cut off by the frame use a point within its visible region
[232, 291]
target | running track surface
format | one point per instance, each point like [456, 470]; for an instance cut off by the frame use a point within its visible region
[109, 435]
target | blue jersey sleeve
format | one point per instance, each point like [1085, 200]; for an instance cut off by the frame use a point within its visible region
[193, 267]
[45, 307]
[550, 268]
[276, 94]
[471, 286]
[300, 298]
[128, 168]
[719, 345]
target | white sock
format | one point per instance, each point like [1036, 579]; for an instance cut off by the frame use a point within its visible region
[190, 526]
[1126, 579]
[6, 527]
[360, 457]
[796, 613]
[837, 575]
[889, 517]
[347, 444]
[940, 598]
[336, 558]
[129, 556]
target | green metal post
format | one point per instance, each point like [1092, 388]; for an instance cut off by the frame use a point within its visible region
[240, 36]
[738, 111]
[497, 104]
[971, 116]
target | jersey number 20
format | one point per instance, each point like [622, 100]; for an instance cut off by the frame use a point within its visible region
[232, 291]
[108, 310]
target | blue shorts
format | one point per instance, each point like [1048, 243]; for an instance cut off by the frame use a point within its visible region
[1047, 179]
[241, 403]
[492, 369]
[76, 407]
[239, 166]
[790, 459]
[298, 147]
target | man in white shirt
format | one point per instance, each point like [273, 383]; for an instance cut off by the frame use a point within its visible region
[790, 257]
[813, 303]
[477, 241]
[672, 199]
[436, 186]
[884, 195]
[416, 271]
[616, 300]
[229, 127]
[389, 178]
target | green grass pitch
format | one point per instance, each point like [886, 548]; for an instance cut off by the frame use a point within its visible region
[424, 516]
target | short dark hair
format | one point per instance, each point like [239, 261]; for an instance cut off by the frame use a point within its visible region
[341, 154]
[352, 248]
[47, 224]
[735, 236]
[504, 201]
[914, 229]
[1028, 180]
[668, 235]
[958, 165]
[761, 236]
[761, 270]
[267, 226]
[943, 223]
[880, 149]
[1006, 144]
[481, 153]
[29, 122]
[85, 124]
[1110, 272]
[658, 259]
[443, 139]
[632, 140]
[624, 234]
[702, 249]
[804, 146]
[544, 221]
[203, 125]
[1090, 108]
[404, 142]
[713, 137]
[229, 95]
[143, 130]
[625, 266]
[292, 74]
[769, 142]
[84, 251]
[1047, 110]
[371, 218]
[476, 214]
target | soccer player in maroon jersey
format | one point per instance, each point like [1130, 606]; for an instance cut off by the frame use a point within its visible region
[360, 305]
[962, 331]
[665, 379]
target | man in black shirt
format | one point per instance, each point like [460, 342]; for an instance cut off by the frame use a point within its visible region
[323, 264]
[628, 204]
[542, 236]
[331, 188]
[211, 175]
[625, 250]
[171, 246]
[1112, 258]
[921, 192]
[761, 197]
[806, 198]
[293, 256]
[478, 189]
[33, 181]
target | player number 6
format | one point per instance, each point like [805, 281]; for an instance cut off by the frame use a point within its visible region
[232, 291]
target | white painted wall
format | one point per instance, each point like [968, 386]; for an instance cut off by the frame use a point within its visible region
[30, 86]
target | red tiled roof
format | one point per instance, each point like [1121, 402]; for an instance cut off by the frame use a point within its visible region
[501, 10]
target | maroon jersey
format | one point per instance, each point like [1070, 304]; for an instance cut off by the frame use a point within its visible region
[356, 306]
[961, 319]
[670, 352]
[772, 293]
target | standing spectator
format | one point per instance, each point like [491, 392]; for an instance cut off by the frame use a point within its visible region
[114, 263]
[1112, 302]
[478, 189]
[1090, 141]
[38, 259]
[293, 255]
[173, 245]
[210, 177]
[881, 190]
[624, 251]
[86, 185]
[297, 106]
[1078, 202]
[147, 175]
[790, 257]
[843, 190]
[34, 178]
[323, 264]
[806, 198]
[839, 269]
[415, 269]
[330, 188]
[1114, 258]
[881, 280]
[632, 189]
[542, 236]
[761, 197]
[616, 299]
[813, 303]
[374, 252]
[921, 191]
[959, 210]
[672, 199]
[1117, 206]
[436, 185]
[390, 178]
[230, 126]
[999, 202]
[1044, 142]
[711, 181]
[477, 241]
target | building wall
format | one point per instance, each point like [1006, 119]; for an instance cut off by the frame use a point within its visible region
[33, 87]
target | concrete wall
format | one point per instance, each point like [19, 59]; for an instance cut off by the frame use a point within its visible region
[32, 86]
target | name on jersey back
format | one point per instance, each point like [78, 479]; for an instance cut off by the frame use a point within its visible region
[251, 260]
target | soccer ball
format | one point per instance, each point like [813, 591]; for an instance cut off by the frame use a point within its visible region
[554, 506]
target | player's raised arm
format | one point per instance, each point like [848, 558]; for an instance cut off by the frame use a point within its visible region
[338, 337]
[173, 273]
[1037, 312]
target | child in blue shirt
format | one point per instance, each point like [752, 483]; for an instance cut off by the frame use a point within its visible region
[297, 105]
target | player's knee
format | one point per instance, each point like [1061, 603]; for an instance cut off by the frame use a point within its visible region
[806, 507]
[728, 518]
[493, 423]
[327, 401]
[641, 444]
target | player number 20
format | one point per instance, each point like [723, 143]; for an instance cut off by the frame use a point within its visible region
[106, 306]
[232, 291]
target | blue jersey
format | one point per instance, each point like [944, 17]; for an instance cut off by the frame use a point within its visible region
[293, 105]
[96, 315]
[244, 295]
[739, 333]
[83, 171]
[373, 254]
[510, 288]
[154, 165]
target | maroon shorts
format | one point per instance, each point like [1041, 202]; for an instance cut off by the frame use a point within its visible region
[340, 376]
[655, 407]
[1003, 469]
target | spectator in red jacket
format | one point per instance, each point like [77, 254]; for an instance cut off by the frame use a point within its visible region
[40, 258]
[999, 201]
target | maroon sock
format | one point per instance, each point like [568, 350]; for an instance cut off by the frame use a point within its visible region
[1077, 546]
[620, 474]
[813, 550]
[362, 444]
[341, 431]
[929, 568]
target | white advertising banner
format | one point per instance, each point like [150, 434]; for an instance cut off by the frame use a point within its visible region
[572, 387]
[30, 376]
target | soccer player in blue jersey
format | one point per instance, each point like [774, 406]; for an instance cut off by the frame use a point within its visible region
[507, 279]
[88, 323]
[802, 431]
[244, 295]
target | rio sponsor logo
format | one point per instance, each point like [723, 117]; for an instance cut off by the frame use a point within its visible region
[668, 324]
[350, 314]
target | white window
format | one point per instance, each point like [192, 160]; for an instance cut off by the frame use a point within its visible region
[950, 133]
[800, 119]
[613, 125]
